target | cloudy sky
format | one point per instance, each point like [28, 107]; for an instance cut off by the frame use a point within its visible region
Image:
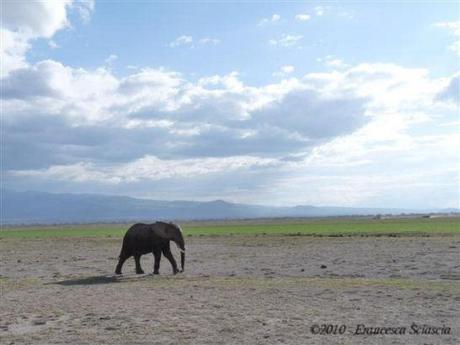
[282, 104]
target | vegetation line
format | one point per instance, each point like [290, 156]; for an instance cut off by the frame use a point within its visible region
[335, 227]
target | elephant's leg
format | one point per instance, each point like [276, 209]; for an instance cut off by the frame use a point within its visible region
[156, 265]
[121, 261]
[167, 253]
[137, 259]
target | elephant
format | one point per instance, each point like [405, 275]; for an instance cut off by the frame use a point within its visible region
[152, 238]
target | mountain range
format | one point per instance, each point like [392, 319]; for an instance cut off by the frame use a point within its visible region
[32, 207]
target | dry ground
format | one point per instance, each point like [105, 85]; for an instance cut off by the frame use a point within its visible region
[236, 290]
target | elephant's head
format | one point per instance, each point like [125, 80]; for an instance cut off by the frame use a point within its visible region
[172, 232]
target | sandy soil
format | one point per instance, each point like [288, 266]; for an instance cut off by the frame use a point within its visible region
[236, 290]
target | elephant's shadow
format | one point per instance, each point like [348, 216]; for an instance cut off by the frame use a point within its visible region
[105, 279]
[93, 280]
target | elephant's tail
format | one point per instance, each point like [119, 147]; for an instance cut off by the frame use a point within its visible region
[124, 249]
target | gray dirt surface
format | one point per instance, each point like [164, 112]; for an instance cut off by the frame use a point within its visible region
[235, 290]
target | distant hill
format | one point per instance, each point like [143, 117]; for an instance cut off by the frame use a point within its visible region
[46, 208]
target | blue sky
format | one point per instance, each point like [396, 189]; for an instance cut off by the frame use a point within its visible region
[139, 35]
[348, 104]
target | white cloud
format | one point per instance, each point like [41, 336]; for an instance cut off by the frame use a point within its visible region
[183, 40]
[111, 59]
[286, 40]
[85, 9]
[229, 81]
[287, 69]
[331, 61]
[24, 21]
[454, 28]
[146, 168]
[338, 11]
[273, 19]
[52, 44]
[35, 19]
[209, 40]
[284, 71]
[216, 116]
[452, 91]
[319, 10]
[155, 94]
[340, 187]
[89, 126]
[351, 135]
[186, 40]
[336, 63]
[49, 86]
[302, 17]
[12, 51]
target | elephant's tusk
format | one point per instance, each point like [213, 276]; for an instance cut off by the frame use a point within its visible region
[181, 250]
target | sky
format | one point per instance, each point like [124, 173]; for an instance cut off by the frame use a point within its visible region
[272, 103]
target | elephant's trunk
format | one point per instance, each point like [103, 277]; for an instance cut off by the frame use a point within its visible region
[182, 260]
[181, 247]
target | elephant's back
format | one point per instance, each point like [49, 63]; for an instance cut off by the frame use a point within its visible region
[140, 232]
[138, 238]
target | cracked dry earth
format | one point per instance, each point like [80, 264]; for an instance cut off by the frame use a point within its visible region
[235, 290]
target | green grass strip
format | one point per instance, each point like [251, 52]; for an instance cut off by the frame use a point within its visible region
[335, 227]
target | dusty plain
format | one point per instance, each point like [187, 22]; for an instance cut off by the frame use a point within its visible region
[240, 289]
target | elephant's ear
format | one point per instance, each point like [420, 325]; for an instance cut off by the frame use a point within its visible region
[161, 230]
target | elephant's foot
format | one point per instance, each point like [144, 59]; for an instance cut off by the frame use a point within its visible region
[139, 272]
[156, 272]
[117, 272]
[175, 271]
